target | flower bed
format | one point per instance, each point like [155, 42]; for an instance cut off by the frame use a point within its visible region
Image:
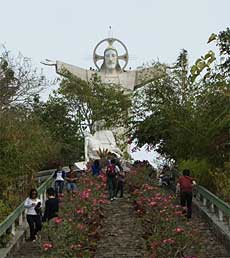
[166, 231]
[75, 232]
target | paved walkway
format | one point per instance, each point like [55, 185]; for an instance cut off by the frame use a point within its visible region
[28, 250]
[212, 248]
[121, 234]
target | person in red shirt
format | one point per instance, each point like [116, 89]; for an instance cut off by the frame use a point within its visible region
[185, 187]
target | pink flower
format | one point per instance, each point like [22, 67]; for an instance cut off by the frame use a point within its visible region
[153, 204]
[57, 220]
[47, 246]
[80, 211]
[168, 241]
[179, 230]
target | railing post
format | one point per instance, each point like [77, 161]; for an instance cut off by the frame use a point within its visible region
[198, 196]
[204, 201]
[20, 221]
[221, 215]
[41, 198]
[45, 197]
[24, 215]
[13, 231]
[212, 208]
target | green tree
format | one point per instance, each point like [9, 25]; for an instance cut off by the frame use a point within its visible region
[94, 101]
[63, 127]
[24, 147]
[186, 112]
[25, 144]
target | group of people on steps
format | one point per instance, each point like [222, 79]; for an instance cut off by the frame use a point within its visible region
[115, 177]
[115, 185]
[33, 204]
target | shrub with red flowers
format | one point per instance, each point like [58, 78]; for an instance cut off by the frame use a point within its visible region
[76, 231]
[166, 230]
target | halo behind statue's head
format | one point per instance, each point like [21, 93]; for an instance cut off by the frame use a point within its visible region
[124, 57]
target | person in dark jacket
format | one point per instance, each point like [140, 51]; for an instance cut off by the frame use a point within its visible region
[96, 168]
[51, 205]
[185, 186]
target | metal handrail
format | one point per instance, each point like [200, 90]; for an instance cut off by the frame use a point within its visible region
[10, 220]
[212, 198]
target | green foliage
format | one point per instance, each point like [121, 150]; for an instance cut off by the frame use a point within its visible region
[75, 232]
[24, 142]
[4, 210]
[221, 179]
[63, 127]
[24, 146]
[166, 232]
[95, 101]
[185, 114]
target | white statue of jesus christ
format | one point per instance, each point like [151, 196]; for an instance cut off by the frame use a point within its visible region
[110, 71]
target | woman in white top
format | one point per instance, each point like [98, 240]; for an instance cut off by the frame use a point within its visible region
[59, 177]
[33, 213]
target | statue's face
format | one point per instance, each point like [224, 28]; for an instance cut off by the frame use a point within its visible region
[110, 59]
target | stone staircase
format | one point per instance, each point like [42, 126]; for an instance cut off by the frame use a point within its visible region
[121, 234]
[28, 250]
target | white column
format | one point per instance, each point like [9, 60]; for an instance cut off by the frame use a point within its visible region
[204, 201]
[13, 231]
[20, 221]
[41, 197]
[44, 196]
[221, 215]
[212, 207]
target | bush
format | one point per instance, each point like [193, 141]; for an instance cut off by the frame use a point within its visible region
[222, 183]
[76, 231]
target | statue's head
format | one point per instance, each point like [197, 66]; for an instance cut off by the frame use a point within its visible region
[111, 58]
[110, 63]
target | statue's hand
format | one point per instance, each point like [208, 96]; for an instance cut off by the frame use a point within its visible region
[48, 62]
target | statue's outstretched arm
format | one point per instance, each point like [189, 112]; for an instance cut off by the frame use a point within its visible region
[61, 67]
[49, 62]
[146, 75]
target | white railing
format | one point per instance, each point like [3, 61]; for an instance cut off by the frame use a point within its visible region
[214, 205]
[16, 221]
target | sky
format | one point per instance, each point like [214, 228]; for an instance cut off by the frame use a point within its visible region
[69, 30]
